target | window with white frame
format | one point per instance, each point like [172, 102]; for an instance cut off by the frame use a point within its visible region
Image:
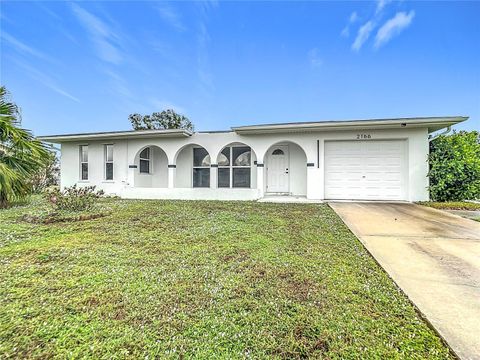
[83, 162]
[109, 162]
[145, 161]
[234, 167]
[201, 168]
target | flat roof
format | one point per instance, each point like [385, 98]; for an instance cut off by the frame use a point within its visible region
[109, 135]
[432, 123]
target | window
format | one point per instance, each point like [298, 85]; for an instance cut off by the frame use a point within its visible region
[278, 152]
[145, 161]
[234, 167]
[201, 168]
[108, 162]
[84, 162]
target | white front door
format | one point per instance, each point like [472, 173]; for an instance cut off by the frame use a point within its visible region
[277, 169]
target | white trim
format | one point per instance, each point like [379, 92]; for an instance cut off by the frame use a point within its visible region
[200, 167]
[231, 166]
[150, 162]
[106, 161]
[81, 162]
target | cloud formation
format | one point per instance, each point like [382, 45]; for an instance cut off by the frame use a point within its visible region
[381, 4]
[22, 47]
[171, 16]
[393, 27]
[346, 30]
[46, 81]
[106, 41]
[363, 35]
[314, 58]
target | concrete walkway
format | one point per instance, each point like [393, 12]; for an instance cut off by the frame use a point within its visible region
[433, 256]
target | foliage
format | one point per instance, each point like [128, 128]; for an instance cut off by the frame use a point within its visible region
[48, 175]
[186, 279]
[167, 119]
[21, 156]
[452, 205]
[74, 198]
[455, 167]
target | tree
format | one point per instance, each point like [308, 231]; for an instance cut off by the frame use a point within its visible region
[21, 156]
[47, 175]
[455, 167]
[167, 119]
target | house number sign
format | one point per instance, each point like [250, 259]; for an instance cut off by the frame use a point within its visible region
[363, 136]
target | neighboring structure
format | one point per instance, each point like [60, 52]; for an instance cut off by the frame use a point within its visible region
[382, 159]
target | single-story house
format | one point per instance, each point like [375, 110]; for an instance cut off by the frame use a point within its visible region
[379, 159]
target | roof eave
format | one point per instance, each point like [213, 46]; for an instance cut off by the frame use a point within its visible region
[432, 124]
[116, 135]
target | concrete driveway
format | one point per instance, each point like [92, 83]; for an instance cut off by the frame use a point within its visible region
[433, 256]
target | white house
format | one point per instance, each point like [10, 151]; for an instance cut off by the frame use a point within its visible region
[381, 159]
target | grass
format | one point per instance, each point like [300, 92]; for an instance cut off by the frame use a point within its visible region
[452, 205]
[180, 279]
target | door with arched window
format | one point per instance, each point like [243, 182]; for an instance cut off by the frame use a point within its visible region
[278, 179]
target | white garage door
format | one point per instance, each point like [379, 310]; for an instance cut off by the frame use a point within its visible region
[365, 170]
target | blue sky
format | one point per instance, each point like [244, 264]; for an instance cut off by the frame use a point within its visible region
[85, 66]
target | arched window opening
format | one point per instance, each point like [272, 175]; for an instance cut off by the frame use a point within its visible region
[236, 173]
[201, 167]
[145, 161]
[278, 152]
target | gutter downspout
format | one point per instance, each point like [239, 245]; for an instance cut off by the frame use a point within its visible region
[446, 131]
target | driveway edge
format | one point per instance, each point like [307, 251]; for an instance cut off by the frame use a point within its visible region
[417, 309]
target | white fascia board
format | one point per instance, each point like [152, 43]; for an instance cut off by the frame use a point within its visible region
[116, 135]
[432, 123]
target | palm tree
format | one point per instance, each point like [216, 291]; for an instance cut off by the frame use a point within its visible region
[21, 155]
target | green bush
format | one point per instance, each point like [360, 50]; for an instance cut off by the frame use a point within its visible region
[74, 198]
[455, 167]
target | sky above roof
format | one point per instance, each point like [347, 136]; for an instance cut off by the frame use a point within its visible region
[85, 66]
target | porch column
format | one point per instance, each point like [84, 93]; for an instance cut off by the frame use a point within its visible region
[213, 176]
[260, 186]
[171, 176]
[131, 175]
[314, 183]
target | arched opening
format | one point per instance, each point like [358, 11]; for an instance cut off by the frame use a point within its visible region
[236, 167]
[285, 169]
[151, 168]
[192, 167]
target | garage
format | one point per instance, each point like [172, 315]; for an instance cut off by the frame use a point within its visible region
[366, 170]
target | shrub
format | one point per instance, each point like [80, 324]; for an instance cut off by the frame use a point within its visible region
[455, 167]
[74, 198]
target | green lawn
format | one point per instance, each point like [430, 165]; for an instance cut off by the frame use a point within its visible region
[176, 279]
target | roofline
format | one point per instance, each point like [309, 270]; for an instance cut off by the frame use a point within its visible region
[432, 123]
[130, 134]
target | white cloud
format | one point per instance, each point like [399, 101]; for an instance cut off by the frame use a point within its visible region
[171, 16]
[106, 41]
[346, 30]
[353, 17]
[381, 4]
[205, 76]
[22, 47]
[362, 35]
[314, 58]
[393, 27]
[46, 81]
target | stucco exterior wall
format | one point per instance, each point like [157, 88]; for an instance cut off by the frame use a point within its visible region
[305, 148]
